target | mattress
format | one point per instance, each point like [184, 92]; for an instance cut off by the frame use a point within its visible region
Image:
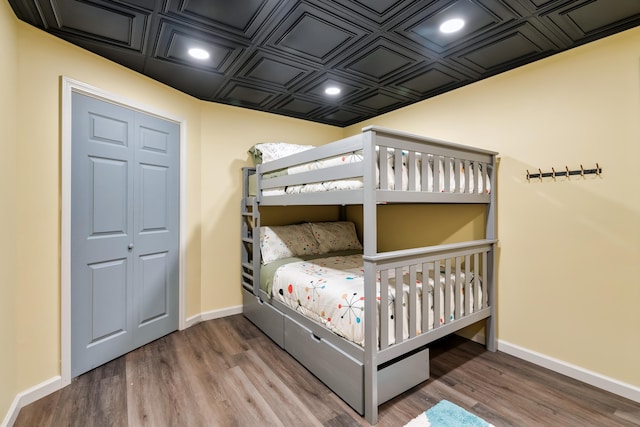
[330, 291]
[475, 185]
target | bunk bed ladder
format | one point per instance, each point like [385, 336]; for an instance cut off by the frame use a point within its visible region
[250, 237]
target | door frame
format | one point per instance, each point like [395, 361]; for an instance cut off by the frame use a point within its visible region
[70, 86]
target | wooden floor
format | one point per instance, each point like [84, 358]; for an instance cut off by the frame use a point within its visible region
[224, 372]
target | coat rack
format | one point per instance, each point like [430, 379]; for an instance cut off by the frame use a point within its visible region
[566, 173]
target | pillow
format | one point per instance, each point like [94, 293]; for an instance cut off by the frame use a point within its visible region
[283, 241]
[269, 151]
[335, 236]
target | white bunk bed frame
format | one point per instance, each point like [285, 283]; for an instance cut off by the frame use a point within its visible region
[365, 377]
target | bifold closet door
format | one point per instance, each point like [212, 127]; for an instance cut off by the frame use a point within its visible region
[124, 230]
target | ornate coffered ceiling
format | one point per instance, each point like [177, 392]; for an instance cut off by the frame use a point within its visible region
[280, 55]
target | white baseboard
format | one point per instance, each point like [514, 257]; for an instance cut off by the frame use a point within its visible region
[593, 378]
[29, 396]
[213, 314]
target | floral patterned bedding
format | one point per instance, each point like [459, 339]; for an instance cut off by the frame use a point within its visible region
[330, 291]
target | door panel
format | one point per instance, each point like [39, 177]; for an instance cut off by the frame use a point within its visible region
[101, 229]
[109, 299]
[155, 290]
[154, 198]
[124, 237]
[109, 186]
[156, 227]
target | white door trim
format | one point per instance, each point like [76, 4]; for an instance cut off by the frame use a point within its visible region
[68, 87]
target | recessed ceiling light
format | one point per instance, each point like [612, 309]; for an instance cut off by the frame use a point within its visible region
[452, 25]
[332, 90]
[198, 53]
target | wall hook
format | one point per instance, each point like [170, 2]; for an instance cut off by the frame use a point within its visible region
[567, 173]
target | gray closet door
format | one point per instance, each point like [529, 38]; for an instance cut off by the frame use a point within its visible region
[124, 231]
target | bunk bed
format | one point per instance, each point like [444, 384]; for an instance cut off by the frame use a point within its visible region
[431, 292]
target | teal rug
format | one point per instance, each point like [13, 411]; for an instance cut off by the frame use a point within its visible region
[446, 414]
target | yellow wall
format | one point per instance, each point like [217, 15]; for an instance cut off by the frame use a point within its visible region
[8, 214]
[228, 133]
[569, 250]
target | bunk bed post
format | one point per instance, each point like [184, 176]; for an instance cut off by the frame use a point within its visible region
[491, 323]
[369, 232]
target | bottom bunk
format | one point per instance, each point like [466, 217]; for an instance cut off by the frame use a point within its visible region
[315, 308]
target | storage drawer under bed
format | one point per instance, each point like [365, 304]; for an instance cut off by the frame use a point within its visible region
[344, 374]
[340, 372]
[398, 377]
[264, 316]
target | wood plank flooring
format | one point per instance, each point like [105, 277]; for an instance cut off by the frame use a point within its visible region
[225, 372]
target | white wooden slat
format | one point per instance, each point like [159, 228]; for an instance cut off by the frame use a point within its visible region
[458, 288]
[437, 298]
[412, 167]
[427, 298]
[456, 176]
[384, 309]
[436, 173]
[476, 278]
[425, 177]
[397, 169]
[413, 301]
[467, 284]
[383, 168]
[447, 290]
[446, 163]
[468, 188]
[398, 309]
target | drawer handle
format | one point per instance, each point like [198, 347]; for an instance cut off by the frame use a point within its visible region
[315, 337]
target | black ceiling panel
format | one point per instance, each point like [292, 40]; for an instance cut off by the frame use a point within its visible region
[381, 59]
[174, 39]
[273, 69]
[433, 79]
[505, 50]
[423, 27]
[280, 55]
[587, 19]
[193, 81]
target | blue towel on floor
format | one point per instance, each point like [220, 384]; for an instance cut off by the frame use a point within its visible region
[447, 414]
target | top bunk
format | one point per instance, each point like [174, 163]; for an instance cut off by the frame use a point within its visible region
[376, 166]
